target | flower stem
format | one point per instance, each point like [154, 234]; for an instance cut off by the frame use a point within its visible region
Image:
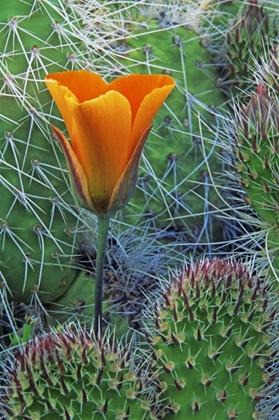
[103, 227]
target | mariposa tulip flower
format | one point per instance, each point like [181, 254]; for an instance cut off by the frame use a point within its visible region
[107, 124]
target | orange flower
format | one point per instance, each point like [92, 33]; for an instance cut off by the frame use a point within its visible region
[107, 125]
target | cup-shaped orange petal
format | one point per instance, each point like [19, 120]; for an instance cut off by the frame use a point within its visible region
[107, 125]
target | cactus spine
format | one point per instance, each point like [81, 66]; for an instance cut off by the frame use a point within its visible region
[72, 375]
[211, 339]
[181, 142]
[39, 219]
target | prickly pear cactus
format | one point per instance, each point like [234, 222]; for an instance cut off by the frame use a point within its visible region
[72, 375]
[250, 37]
[246, 54]
[38, 217]
[211, 339]
[256, 162]
[176, 191]
[257, 136]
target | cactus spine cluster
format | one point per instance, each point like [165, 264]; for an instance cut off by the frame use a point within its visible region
[256, 150]
[256, 123]
[211, 339]
[249, 38]
[72, 375]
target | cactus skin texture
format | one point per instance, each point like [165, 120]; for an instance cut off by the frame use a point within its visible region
[38, 217]
[72, 375]
[211, 341]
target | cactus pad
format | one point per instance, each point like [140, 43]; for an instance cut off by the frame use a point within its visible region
[38, 216]
[211, 341]
[70, 375]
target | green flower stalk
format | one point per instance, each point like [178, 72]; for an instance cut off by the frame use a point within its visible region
[103, 228]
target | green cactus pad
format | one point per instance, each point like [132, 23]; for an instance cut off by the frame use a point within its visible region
[250, 37]
[176, 191]
[256, 149]
[211, 341]
[72, 375]
[38, 216]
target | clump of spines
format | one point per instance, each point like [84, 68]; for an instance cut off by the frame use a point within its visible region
[211, 339]
[74, 375]
[255, 160]
[256, 148]
[250, 36]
